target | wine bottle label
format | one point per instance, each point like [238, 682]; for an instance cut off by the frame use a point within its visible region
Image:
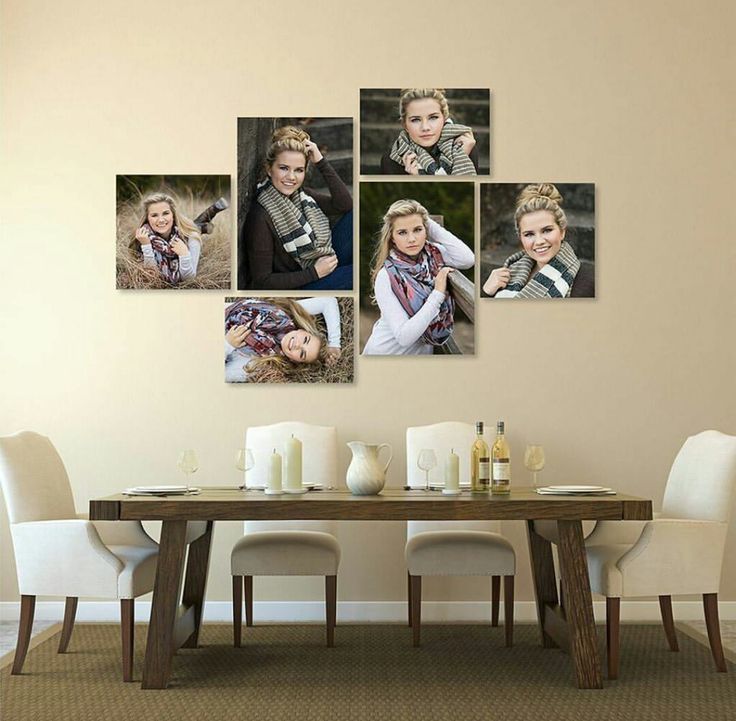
[484, 472]
[501, 470]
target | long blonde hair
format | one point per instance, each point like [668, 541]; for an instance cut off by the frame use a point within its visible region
[276, 365]
[287, 138]
[399, 209]
[540, 196]
[409, 94]
[186, 227]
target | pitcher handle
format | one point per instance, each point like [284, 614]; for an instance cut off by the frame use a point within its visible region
[390, 454]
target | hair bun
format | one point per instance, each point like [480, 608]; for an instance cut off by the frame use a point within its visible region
[539, 190]
[289, 132]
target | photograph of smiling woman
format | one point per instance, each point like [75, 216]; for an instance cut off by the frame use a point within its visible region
[287, 240]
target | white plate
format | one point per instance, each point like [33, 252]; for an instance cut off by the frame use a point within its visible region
[159, 489]
[262, 487]
[575, 489]
[180, 491]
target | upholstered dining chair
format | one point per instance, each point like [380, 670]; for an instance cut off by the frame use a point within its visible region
[59, 554]
[454, 548]
[679, 552]
[288, 548]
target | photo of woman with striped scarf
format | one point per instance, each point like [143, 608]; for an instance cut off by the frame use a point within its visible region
[430, 142]
[413, 258]
[547, 265]
[287, 239]
[280, 339]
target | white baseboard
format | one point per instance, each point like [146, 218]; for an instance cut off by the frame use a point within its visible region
[366, 612]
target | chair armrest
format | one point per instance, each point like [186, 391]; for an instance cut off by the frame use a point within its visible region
[675, 556]
[64, 558]
[615, 533]
[122, 533]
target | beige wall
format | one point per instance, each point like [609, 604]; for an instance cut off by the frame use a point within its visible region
[637, 97]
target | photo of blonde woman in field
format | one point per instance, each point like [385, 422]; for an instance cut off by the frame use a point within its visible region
[173, 232]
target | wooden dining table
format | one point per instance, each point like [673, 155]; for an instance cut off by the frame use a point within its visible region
[174, 625]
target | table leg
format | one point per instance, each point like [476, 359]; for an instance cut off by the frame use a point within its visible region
[195, 582]
[579, 604]
[543, 576]
[160, 645]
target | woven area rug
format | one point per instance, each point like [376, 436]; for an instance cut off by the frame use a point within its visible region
[460, 673]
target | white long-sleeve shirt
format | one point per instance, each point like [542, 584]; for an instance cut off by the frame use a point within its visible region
[397, 333]
[187, 263]
[237, 358]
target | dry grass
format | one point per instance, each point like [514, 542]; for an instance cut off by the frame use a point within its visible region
[213, 271]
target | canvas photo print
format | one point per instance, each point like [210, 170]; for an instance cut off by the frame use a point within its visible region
[295, 204]
[173, 231]
[537, 240]
[431, 132]
[289, 340]
[417, 264]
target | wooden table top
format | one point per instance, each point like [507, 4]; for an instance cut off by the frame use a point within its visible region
[220, 503]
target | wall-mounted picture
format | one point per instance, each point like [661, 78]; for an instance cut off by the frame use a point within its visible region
[537, 240]
[295, 204]
[289, 340]
[425, 131]
[417, 268]
[173, 231]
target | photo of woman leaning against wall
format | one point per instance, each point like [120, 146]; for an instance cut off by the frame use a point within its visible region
[417, 269]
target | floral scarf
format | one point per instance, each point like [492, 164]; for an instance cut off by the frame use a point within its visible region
[268, 324]
[167, 261]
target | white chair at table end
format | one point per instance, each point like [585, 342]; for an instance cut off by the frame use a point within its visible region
[288, 548]
[59, 554]
[680, 552]
[454, 548]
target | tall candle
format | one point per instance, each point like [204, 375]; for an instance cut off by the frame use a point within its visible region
[274, 473]
[452, 471]
[293, 459]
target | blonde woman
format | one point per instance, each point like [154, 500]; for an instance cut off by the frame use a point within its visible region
[168, 240]
[546, 266]
[279, 334]
[410, 268]
[287, 239]
[430, 143]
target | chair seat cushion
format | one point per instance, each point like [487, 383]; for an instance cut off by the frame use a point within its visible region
[286, 553]
[139, 571]
[460, 553]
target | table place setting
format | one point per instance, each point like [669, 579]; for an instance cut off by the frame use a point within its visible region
[575, 491]
[162, 491]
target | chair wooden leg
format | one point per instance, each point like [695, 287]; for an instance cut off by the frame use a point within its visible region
[127, 630]
[710, 606]
[331, 608]
[665, 608]
[408, 597]
[495, 598]
[237, 611]
[508, 609]
[613, 616]
[70, 612]
[27, 609]
[248, 580]
[416, 607]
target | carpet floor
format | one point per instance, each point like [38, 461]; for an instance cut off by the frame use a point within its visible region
[461, 672]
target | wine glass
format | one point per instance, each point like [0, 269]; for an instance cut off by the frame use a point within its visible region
[188, 464]
[426, 461]
[534, 460]
[244, 461]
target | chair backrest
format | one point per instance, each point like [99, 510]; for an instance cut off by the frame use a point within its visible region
[441, 438]
[319, 464]
[34, 480]
[702, 479]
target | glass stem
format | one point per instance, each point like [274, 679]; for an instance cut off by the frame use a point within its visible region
[426, 483]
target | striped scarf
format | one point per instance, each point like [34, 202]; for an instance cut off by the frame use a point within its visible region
[167, 260]
[554, 280]
[300, 224]
[412, 280]
[268, 324]
[451, 157]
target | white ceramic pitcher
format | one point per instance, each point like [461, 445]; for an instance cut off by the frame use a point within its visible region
[366, 476]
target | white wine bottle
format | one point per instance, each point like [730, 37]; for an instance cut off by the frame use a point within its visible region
[501, 462]
[480, 466]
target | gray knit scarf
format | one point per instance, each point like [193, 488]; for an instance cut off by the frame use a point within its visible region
[452, 158]
[554, 280]
[302, 227]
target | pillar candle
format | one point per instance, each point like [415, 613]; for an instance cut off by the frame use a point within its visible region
[274, 473]
[452, 471]
[293, 459]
